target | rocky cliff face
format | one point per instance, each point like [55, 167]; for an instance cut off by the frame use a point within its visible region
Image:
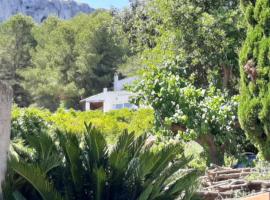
[41, 9]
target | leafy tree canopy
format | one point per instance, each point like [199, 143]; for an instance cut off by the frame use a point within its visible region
[191, 72]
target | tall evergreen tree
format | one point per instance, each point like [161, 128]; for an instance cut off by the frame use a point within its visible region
[100, 51]
[73, 59]
[50, 80]
[16, 43]
[254, 109]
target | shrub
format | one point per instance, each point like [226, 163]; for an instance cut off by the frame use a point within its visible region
[254, 109]
[205, 115]
[65, 165]
[29, 121]
[35, 120]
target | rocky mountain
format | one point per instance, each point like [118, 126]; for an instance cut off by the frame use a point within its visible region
[41, 9]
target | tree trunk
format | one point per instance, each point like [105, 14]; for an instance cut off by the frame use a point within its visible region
[5, 125]
[227, 72]
[207, 141]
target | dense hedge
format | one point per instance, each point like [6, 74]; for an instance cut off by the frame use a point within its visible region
[254, 110]
[34, 120]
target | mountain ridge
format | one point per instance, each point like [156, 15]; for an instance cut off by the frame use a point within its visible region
[40, 10]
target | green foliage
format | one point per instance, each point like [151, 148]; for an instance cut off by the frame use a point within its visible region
[16, 44]
[90, 169]
[100, 51]
[38, 181]
[75, 58]
[254, 102]
[203, 36]
[187, 52]
[196, 112]
[138, 26]
[190, 74]
[29, 121]
[50, 61]
[261, 171]
[199, 155]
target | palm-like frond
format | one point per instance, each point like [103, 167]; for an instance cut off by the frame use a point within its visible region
[34, 175]
[124, 142]
[163, 158]
[156, 173]
[183, 187]
[18, 196]
[100, 177]
[121, 155]
[70, 146]
[82, 167]
[138, 145]
[145, 175]
[19, 149]
[95, 147]
[43, 151]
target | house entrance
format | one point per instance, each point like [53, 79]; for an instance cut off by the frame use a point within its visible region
[96, 106]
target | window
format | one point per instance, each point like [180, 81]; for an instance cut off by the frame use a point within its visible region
[127, 105]
[118, 106]
[122, 105]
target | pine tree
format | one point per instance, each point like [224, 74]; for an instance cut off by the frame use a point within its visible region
[254, 109]
[16, 42]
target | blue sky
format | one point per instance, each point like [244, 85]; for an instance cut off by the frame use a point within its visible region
[106, 3]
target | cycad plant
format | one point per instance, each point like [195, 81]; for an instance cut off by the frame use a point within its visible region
[72, 166]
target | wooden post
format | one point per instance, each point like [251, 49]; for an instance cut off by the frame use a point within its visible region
[6, 95]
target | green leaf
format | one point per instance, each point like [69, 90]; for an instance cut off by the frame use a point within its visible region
[37, 178]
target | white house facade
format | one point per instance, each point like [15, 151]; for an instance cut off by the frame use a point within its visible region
[111, 100]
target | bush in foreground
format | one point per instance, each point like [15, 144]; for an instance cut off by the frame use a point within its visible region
[82, 166]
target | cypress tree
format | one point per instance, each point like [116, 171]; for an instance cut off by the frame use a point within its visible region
[254, 108]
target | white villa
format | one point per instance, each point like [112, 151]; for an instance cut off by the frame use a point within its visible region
[111, 100]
